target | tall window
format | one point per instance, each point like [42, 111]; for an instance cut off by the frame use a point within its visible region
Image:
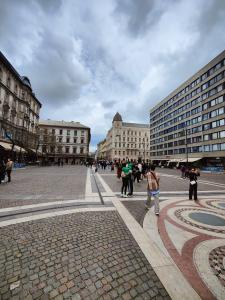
[68, 132]
[8, 82]
[67, 149]
[16, 89]
[81, 150]
[75, 132]
[60, 131]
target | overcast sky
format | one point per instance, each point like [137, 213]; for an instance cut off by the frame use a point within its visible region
[86, 60]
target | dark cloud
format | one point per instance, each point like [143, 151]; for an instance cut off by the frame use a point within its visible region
[141, 15]
[88, 59]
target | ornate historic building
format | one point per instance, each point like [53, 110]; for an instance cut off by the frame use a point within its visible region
[65, 141]
[127, 140]
[19, 110]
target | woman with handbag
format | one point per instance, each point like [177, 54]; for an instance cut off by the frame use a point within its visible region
[153, 187]
[193, 187]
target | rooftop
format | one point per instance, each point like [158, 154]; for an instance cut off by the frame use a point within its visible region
[62, 124]
[135, 125]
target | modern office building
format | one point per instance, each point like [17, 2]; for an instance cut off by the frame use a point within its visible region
[64, 141]
[19, 112]
[189, 124]
[127, 140]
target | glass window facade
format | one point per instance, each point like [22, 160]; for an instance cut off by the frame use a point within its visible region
[191, 115]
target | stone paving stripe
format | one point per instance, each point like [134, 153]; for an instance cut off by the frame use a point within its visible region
[58, 203]
[164, 267]
[53, 214]
[105, 185]
[88, 189]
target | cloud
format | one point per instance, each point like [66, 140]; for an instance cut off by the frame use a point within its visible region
[89, 59]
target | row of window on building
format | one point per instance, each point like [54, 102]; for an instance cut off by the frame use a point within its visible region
[130, 152]
[143, 145]
[204, 127]
[196, 120]
[197, 81]
[189, 113]
[193, 140]
[195, 149]
[61, 149]
[64, 131]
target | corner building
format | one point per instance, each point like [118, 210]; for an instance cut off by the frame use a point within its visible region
[127, 140]
[189, 124]
[65, 141]
[19, 111]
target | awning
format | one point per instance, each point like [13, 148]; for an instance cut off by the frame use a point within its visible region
[191, 159]
[6, 146]
[176, 160]
[35, 151]
[17, 149]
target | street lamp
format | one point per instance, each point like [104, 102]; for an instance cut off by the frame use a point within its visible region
[186, 144]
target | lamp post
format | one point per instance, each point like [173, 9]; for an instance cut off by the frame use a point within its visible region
[186, 144]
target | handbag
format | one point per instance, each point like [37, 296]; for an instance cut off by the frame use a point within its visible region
[193, 182]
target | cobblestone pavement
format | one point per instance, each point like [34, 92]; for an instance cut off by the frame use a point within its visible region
[78, 256]
[35, 185]
[137, 209]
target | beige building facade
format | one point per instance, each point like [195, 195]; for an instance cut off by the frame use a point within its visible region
[19, 110]
[64, 141]
[189, 124]
[101, 150]
[127, 140]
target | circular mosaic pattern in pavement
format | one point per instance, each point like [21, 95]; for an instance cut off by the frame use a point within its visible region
[207, 219]
[217, 263]
[216, 204]
[178, 214]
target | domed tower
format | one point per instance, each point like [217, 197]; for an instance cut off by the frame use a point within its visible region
[117, 121]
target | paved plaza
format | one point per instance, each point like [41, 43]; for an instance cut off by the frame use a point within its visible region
[66, 234]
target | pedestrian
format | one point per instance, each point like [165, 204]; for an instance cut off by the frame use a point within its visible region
[193, 187]
[119, 170]
[130, 180]
[182, 171]
[153, 187]
[9, 166]
[124, 175]
[2, 171]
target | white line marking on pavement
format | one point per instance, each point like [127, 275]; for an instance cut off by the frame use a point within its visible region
[163, 266]
[53, 214]
[199, 181]
[88, 188]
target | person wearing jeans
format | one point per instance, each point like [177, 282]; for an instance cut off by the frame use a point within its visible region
[153, 187]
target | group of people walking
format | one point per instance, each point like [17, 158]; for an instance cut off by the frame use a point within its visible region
[132, 171]
[5, 170]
